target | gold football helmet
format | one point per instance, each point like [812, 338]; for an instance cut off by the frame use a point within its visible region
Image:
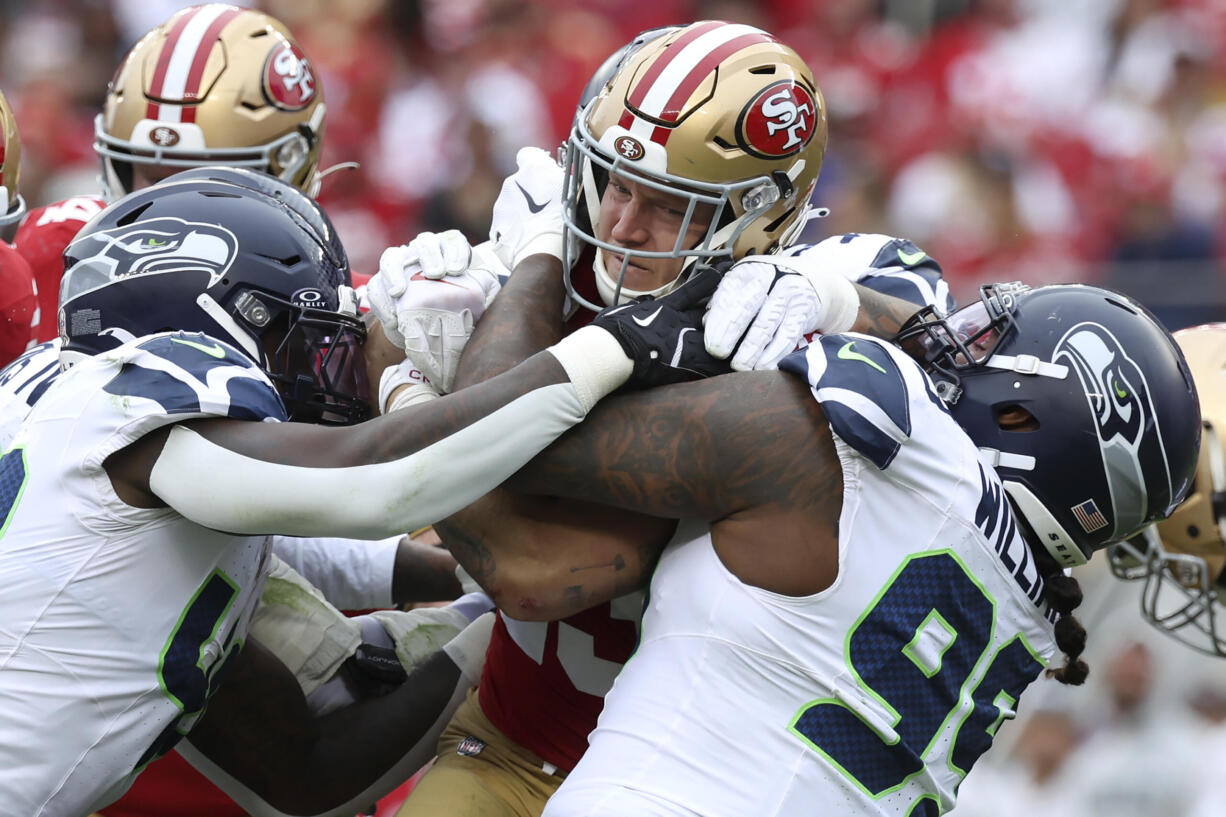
[721, 114]
[1181, 558]
[12, 205]
[213, 85]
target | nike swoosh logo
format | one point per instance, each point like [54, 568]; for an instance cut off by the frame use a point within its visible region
[676, 361]
[911, 258]
[212, 351]
[533, 207]
[847, 353]
[645, 322]
[421, 276]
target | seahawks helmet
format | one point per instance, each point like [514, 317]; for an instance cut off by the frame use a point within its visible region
[239, 255]
[1078, 397]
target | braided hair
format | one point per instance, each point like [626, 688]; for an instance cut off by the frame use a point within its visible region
[1063, 594]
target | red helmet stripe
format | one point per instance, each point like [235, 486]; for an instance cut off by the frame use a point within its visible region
[192, 88]
[168, 50]
[672, 110]
[674, 49]
[678, 72]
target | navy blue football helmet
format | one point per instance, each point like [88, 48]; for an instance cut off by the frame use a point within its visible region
[238, 255]
[1108, 431]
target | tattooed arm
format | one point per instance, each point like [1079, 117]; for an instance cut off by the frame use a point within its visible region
[539, 557]
[750, 452]
[881, 315]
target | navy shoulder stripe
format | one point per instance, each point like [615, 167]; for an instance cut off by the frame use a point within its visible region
[862, 393]
[204, 376]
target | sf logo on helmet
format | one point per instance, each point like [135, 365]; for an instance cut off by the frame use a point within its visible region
[158, 245]
[288, 78]
[779, 121]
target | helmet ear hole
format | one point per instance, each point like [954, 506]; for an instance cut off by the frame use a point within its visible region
[1012, 417]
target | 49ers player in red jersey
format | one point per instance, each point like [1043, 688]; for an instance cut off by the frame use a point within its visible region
[703, 143]
[214, 85]
[19, 312]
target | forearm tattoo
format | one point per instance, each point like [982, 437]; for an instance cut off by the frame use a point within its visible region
[702, 450]
[882, 315]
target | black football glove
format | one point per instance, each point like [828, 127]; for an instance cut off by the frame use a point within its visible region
[663, 336]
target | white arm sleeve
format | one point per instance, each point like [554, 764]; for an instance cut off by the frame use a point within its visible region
[353, 574]
[225, 490]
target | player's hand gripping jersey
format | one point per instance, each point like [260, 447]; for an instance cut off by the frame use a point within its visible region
[61, 567]
[949, 628]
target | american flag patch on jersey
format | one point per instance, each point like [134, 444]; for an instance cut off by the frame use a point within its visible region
[470, 747]
[1090, 517]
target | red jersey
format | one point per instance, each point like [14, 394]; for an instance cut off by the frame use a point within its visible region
[41, 239]
[544, 683]
[19, 313]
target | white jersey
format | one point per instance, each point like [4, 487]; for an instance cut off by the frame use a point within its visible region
[115, 621]
[872, 697]
[353, 574]
[22, 382]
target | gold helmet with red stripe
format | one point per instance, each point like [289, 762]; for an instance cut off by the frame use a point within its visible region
[12, 205]
[1183, 558]
[722, 114]
[213, 85]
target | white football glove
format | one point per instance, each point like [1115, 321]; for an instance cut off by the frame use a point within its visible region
[431, 316]
[772, 302]
[527, 216]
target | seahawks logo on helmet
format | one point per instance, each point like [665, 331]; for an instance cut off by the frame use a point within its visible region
[164, 244]
[1119, 397]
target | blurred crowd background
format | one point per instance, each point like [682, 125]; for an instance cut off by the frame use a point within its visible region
[1040, 140]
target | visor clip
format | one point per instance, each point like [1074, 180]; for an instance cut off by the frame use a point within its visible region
[786, 188]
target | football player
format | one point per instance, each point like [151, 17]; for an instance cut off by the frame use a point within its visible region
[164, 451]
[1182, 559]
[335, 659]
[661, 173]
[213, 85]
[19, 313]
[869, 566]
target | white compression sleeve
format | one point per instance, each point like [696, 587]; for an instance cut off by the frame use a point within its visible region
[219, 488]
[225, 490]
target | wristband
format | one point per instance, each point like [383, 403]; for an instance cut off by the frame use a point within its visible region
[840, 303]
[595, 363]
[404, 374]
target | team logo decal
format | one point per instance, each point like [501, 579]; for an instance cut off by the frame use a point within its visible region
[778, 122]
[163, 136]
[157, 245]
[628, 147]
[289, 80]
[1127, 425]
